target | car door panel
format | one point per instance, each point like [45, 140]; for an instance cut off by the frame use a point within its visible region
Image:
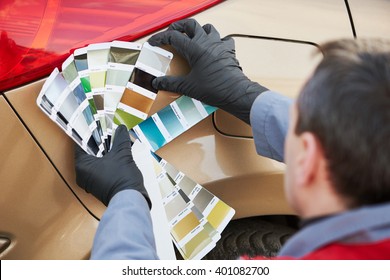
[40, 217]
[371, 19]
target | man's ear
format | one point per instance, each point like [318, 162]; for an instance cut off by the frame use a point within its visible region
[309, 159]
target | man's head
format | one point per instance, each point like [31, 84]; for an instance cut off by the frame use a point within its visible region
[339, 138]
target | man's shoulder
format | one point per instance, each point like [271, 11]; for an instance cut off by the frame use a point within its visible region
[378, 250]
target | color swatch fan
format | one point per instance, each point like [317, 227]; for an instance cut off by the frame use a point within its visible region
[105, 85]
[102, 86]
[195, 216]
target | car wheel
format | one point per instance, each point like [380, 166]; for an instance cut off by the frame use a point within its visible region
[255, 236]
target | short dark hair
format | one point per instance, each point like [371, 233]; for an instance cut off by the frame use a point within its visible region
[346, 104]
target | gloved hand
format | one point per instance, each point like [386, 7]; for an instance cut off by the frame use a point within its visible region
[114, 172]
[216, 77]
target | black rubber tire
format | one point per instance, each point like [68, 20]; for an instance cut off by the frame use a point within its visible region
[256, 236]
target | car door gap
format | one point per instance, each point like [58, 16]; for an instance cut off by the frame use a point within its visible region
[350, 18]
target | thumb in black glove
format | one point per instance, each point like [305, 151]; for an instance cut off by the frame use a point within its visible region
[114, 172]
[216, 77]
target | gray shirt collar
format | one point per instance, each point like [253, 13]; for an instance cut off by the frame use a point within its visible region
[365, 224]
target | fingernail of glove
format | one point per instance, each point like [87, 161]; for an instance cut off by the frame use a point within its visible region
[155, 84]
[154, 40]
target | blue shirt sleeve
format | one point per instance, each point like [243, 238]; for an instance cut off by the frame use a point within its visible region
[269, 120]
[125, 230]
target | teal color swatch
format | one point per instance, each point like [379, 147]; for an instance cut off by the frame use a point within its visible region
[152, 133]
[170, 121]
[189, 110]
[209, 109]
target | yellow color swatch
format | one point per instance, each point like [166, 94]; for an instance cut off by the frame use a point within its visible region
[185, 226]
[197, 244]
[218, 214]
[97, 79]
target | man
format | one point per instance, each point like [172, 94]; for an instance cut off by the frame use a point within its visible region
[337, 149]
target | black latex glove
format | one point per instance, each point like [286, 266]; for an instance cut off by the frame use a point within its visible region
[114, 172]
[216, 77]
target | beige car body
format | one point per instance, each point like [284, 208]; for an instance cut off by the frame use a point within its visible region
[39, 213]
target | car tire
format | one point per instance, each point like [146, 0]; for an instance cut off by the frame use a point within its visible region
[255, 236]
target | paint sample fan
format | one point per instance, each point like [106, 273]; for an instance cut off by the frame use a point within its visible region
[102, 86]
[105, 85]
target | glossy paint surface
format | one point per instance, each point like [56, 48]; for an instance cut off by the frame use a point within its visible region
[57, 219]
[38, 35]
